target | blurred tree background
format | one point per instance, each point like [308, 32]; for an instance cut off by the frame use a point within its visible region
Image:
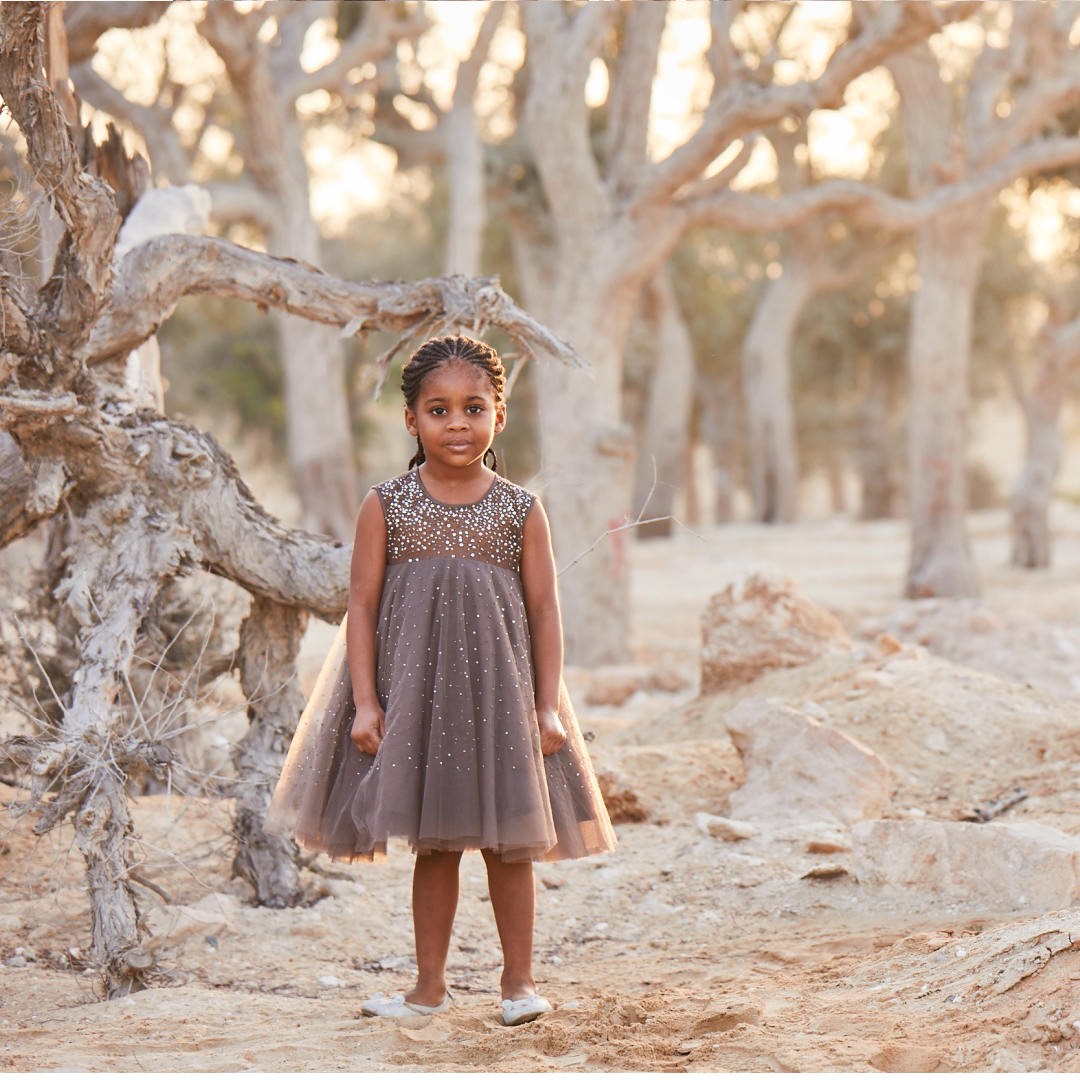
[381, 157]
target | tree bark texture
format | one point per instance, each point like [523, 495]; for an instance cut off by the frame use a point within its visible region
[269, 643]
[663, 451]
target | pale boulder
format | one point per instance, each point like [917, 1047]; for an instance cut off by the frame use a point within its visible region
[1008, 866]
[725, 828]
[763, 621]
[170, 925]
[612, 684]
[799, 770]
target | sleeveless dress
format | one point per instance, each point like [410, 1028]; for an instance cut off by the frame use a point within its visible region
[460, 766]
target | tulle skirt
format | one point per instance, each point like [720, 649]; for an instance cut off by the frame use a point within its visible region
[460, 766]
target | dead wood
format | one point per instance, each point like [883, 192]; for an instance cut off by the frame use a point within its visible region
[269, 641]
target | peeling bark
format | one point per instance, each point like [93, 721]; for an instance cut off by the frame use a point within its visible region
[269, 643]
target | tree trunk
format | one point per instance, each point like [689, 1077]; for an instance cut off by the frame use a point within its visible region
[667, 413]
[950, 250]
[587, 454]
[124, 549]
[720, 430]
[269, 642]
[872, 455]
[770, 420]
[1034, 487]
[468, 206]
[318, 427]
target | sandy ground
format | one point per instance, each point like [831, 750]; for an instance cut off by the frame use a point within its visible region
[678, 952]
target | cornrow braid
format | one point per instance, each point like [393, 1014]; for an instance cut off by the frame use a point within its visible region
[438, 351]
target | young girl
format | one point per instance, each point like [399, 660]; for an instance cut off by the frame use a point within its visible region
[440, 715]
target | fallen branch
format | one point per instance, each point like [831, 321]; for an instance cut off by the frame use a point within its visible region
[153, 277]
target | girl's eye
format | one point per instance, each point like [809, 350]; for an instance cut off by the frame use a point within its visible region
[475, 408]
[438, 410]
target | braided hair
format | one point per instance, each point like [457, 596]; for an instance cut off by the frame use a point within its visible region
[438, 351]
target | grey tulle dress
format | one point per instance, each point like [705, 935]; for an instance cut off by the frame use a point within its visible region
[460, 766]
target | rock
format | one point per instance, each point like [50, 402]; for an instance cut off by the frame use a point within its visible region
[725, 828]
[668, 680]
[171, 924]
[826, 847]
[936, 741]
[797, 769]
[329, 980]
[887, 644]
[762, 621]
[874, 680]
[984, 622]
[552, 881]
[826, 870]
[722, 1014]
[622, 802]
[16, 961]
[613, 684]
[995, 865]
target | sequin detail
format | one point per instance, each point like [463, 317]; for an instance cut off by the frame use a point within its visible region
[420, 527]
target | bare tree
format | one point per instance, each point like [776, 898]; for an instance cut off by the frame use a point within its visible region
[809, 265]
[1059, 358]
[266, 80]
[453, 141]
[615, 224]
[664, 447]
[1015, 93]
[149, 497]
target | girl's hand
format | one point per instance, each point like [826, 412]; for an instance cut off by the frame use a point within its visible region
[552, 732]
[368, 728]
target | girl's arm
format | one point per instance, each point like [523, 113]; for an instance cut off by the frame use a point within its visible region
[545, 625]
[365, 595]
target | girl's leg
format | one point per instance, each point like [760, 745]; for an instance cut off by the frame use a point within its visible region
[512, 888]
[434, 903]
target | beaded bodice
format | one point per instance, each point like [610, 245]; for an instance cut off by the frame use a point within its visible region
[420, 527]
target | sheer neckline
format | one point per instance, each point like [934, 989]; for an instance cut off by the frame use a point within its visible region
[455, 506]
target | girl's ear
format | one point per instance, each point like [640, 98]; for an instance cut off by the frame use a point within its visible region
[500, 417]
[410, 422]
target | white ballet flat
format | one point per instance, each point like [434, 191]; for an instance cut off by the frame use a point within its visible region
[397, 1008]
[522, 1010]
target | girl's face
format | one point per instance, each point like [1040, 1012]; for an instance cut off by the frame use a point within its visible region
[455, 415]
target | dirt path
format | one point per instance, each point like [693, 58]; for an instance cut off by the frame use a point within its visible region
[677, 953]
